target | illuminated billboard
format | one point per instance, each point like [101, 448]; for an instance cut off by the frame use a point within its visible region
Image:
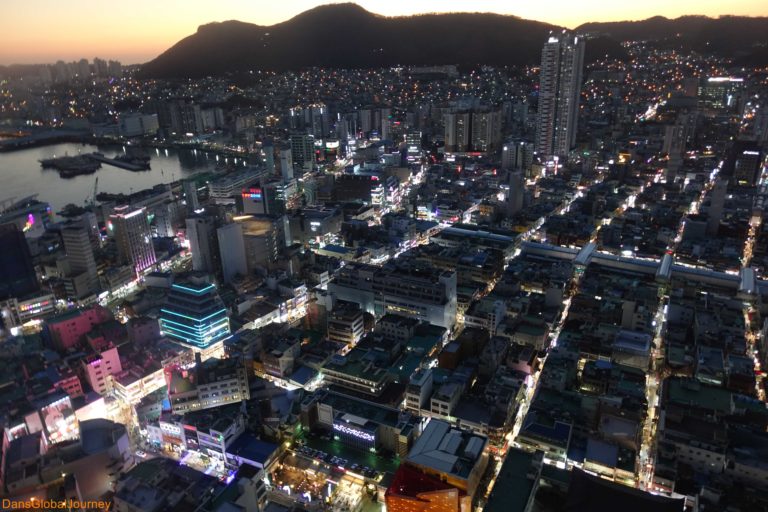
[252, 193]
[59, 421]
[355, 433]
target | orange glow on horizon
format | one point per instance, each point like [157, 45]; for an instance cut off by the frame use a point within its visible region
[134, 31]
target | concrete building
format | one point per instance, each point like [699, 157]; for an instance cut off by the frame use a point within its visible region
[345, 323]
[716, 205]
[225, 189]
[517, 155]
[457, 131]
[401, 288]
[82, 264]
[66, 330]
[562, 62]
[137, 124]
[303, 152]
[419, 391]
[516, 195]
[99, 367]
[232, 251]
[262, 239]
[17, 273]
[452, 455]
[201, 234]
[190, 196]
[160, 484]
[134, 238]
[360, 423]
[210, 383]
[486, 130]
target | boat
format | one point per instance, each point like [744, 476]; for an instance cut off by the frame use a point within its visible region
[70, 166]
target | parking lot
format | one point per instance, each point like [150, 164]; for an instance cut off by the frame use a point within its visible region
[378, 463]
[339, 462]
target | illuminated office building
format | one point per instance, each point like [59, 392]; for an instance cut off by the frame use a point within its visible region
[194, 314]
[134, 237]
[413, 145]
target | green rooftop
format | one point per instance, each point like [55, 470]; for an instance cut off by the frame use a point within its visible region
[695, 394]
[513, 488]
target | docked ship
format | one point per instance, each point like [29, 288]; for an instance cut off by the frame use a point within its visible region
[71, 166]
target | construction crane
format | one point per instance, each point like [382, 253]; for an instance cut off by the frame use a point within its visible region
[92, 200]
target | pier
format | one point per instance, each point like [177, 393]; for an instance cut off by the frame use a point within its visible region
[118, 163]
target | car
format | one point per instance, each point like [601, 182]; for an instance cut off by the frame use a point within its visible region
[140, 454]
[354, 467]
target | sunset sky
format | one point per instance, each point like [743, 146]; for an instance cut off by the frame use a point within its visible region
[133, 31]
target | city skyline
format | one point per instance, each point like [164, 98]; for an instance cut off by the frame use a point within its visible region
[456, 263]
[43, 31]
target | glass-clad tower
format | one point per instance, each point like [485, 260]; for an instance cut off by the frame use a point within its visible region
[194, 315]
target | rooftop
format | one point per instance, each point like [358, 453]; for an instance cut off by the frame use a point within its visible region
[514, 483]
[448, 450]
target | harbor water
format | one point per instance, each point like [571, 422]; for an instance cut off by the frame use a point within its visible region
[22, 175]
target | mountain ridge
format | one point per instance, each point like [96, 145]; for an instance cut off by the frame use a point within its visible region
[348, 36]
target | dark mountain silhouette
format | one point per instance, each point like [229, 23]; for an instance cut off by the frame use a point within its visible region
[726, 35]
[348, 36]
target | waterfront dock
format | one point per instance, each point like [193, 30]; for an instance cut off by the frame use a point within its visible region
[122, 164]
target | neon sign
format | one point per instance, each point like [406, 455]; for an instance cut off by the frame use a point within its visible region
[252, 193]
[365, 436]
[30, 222]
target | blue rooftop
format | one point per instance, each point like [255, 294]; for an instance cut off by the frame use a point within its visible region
[303, 374]
[248, 447]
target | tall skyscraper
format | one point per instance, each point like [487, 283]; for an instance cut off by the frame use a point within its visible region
[562, 61]
[17, 274]
[194, 314]
[134, 237]
[82, 264]
[201, 234]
